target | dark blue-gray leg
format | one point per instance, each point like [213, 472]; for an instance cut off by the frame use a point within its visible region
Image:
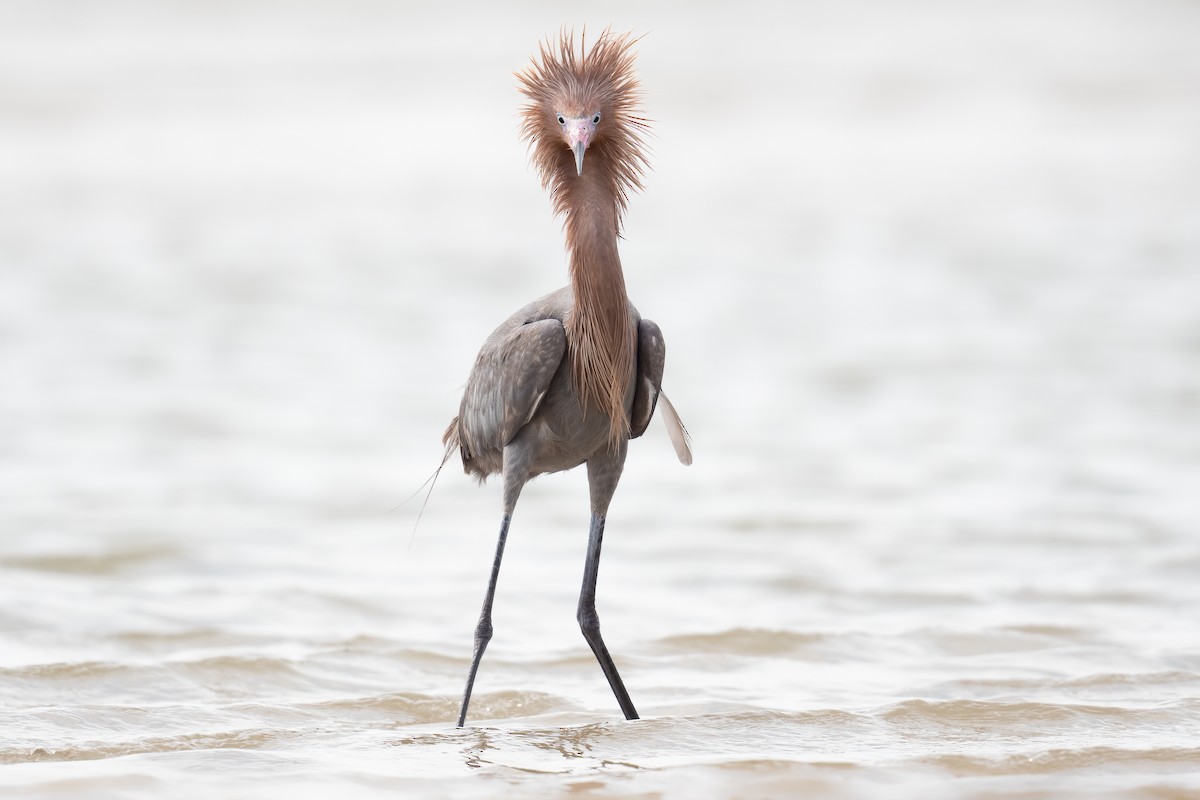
[589, 621]
[516, 472]
[604, 472]
[483, 629]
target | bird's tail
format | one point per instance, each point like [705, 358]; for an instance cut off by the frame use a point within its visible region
[451, 441]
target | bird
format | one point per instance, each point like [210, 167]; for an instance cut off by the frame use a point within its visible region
[571, 377]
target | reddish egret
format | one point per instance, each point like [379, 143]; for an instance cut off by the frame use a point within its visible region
[572, 377]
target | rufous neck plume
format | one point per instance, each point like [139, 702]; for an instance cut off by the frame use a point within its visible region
[585, 138]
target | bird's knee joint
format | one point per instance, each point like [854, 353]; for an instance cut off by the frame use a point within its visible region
[589, 621]
[483, 632]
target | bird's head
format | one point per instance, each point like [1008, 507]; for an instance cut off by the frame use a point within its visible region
[578, 130]
[583, 102]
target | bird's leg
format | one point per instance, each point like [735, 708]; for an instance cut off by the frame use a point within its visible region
[589, 621]
[515, 475]
[483, 629]
[603, 474]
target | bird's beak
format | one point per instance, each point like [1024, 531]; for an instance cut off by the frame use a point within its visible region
[579, 136]
[580, 148]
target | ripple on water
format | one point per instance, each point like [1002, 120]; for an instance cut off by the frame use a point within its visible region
[1100, 759]
[755, 642]
[1034, 720]
[251, 739]
[1003, 639]
[658, 741]
[174, 641]
[112, 562]
[82, 732]
[393, 709]
[1104, 683]
[93, 681]
[223, 677]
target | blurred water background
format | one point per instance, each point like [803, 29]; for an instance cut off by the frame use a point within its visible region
[929, 275]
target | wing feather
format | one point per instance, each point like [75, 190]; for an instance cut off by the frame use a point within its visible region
[508, 383]
[680, 439]
[652, 355]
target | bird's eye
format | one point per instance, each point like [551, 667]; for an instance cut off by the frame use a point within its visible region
[596, 119]
[561, 120]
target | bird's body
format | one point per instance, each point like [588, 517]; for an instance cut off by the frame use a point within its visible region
[571, 377]
[521, 395]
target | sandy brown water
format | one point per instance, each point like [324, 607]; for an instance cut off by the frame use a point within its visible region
[929, 277]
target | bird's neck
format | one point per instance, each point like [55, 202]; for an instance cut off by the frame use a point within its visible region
[601, 337]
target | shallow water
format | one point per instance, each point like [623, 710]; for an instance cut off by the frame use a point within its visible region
[929, 281]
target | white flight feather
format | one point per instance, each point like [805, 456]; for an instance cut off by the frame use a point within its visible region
[678, 433]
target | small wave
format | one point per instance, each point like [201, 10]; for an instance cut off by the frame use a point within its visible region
[1005, 639]
[1122, 679]
[510, 704]
[749, 642]
[91, 681]
[396, 708]
[64, 671]
[751, 736]
[226, 676]
[237, 673]
[1070, 632]
[114, 562]
[392, 649]
[1169, 759]
[158, 642]
[253, 739]
[1114, 597]
[1015, 716]
[1117, 681]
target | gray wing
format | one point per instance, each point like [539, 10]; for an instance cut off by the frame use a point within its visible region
[652, 355]
[507, 384]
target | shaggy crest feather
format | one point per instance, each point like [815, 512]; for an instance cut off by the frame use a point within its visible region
[575, 81]
[566, 79]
